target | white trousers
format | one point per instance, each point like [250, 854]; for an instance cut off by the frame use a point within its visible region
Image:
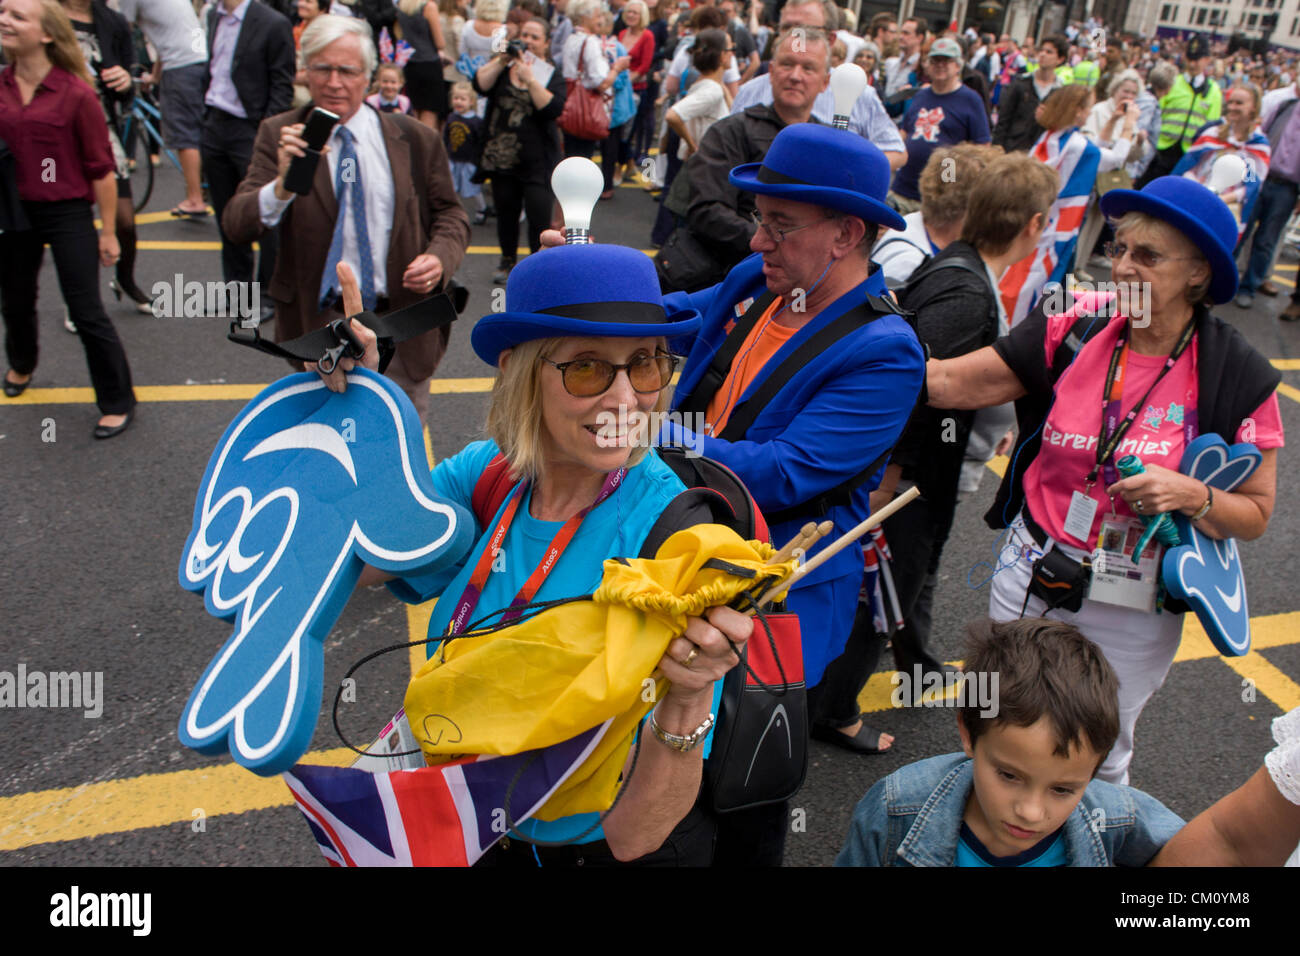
[1139, 646]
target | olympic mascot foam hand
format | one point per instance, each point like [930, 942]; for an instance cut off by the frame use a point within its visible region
[1205, 572]
[304, 487]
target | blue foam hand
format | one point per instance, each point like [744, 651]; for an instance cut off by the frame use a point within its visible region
[304, 488]
[1205, 572]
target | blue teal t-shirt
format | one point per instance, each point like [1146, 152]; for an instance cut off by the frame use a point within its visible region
[617, 527]
[1049, 851]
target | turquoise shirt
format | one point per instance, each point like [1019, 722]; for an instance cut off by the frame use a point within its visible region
[1049, 851]
[617, 527]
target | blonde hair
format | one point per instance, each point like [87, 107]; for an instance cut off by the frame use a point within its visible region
[491, 11]
[640, 7]
[63, 49]
[514, 419]
[948, 178]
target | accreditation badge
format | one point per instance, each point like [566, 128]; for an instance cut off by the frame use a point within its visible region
[1116, 579]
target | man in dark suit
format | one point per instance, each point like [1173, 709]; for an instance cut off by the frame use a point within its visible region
[382, 201]
[250, 76]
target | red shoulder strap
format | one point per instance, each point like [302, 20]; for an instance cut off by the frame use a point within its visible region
[491, 490]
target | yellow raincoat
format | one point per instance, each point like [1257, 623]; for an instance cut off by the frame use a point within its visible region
[572, 667]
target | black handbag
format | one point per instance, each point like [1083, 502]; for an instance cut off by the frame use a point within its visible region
[13, 218]
[685, 264]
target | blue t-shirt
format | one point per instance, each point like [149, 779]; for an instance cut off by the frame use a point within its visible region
[971, 851]
[617, 527]
[934, 120]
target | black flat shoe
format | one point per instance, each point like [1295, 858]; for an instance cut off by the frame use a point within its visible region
[13, 389]
[111, 431]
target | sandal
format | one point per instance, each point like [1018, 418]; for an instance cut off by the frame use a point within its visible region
[865, 741]
[179, 213]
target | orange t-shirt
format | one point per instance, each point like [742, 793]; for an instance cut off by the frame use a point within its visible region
[764, 340]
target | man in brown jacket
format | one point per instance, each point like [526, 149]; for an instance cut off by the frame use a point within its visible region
[401, 227]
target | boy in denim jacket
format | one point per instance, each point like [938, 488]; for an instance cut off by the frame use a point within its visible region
[1023, 794]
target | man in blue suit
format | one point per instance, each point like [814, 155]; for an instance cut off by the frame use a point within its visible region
[804, 375]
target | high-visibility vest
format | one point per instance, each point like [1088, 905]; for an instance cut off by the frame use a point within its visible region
[1086, 73]
[1183, 111]
[1064, 74]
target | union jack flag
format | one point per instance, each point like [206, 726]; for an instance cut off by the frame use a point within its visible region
[1214, 141]
[447, 815]
[1075, 160]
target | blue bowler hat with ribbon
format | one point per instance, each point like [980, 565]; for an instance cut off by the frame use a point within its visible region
[1194, 211]
[586, 290]
[822, 166]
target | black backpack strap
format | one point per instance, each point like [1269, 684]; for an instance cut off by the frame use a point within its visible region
[746, 413]
[698, 400]
[327, 345]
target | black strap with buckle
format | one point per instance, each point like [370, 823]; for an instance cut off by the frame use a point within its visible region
[325, 346]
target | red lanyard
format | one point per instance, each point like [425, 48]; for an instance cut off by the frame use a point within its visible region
[483, 570]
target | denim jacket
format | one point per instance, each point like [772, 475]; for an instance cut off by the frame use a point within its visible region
[913, 817]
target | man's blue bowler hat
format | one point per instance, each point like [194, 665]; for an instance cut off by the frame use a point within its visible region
[1194, 211]
[816, 164]
[580, 290]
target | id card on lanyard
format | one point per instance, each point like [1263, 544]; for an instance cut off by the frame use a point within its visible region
[1119, 580]
[460, 619]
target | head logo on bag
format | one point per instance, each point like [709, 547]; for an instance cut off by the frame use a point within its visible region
[305, 487]
[1205, 572]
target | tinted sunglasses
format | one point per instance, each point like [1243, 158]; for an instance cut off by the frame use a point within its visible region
[588, 377]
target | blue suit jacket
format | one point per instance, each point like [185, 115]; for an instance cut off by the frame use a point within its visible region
[831, 420]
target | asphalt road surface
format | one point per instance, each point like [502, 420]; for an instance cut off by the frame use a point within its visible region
[93, 535]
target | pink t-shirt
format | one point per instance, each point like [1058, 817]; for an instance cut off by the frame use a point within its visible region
[1158, 435]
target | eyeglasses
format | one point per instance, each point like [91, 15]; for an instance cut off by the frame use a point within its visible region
[587, 377]
[323, 70]
[1143, 256]
[778, 235]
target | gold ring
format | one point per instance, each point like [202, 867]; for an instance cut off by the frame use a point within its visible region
[695, 651]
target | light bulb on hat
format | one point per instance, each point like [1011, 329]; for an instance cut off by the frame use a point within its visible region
[577, 184]
[848, 80]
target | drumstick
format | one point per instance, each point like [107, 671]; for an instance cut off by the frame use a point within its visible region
[787, 551]
[840, 544]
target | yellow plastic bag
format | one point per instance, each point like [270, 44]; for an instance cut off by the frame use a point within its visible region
[573, 667]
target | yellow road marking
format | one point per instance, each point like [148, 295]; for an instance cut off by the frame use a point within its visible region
[1289, 391]
[1286, 365]
[1286, 282]
[1269, 681]
[154, 800]
[1285, 267]
[151, 800]
[212, 393]
[1271, 630]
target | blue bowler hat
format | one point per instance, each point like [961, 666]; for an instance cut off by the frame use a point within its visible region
[1194, 211]
[822, 166]
[580, 290]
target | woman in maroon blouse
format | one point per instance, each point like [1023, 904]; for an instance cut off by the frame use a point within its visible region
[51, 118]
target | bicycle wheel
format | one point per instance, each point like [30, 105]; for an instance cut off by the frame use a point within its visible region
[133, 139]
